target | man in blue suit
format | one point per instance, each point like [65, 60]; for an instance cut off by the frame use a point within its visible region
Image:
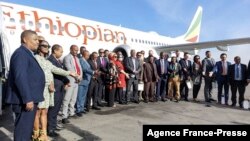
[84, 84]
[60, 82]
[25, 85]
[162, 70]
[221, 72]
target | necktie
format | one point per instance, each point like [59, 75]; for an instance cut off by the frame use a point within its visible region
[77, 66]
[237, 71]
[103, 63]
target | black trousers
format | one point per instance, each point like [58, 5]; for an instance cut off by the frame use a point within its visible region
[224, 82]
[196, 89]
[208, 88]
[241, 87]
[24, 122]
[111, 96]
[53, 111]
[184, 90]
[92, 93]
[121, 95]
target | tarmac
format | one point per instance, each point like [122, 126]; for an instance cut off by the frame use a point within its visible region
[124, 122]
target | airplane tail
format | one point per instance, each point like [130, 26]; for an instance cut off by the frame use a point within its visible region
[193, 32]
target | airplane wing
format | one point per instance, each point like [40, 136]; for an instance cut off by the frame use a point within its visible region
[221, 45]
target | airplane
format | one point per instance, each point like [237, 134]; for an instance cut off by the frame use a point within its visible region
[58, 28]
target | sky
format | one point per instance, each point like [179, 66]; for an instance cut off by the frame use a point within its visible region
[222, 19]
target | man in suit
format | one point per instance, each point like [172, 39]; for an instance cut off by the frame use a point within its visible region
[207, 71]
[186, 68]
[94, 82]
[84, 84]
[162, 70]
[133, 68]
[82, 48]
[26, 83]
[103, 68]
[238, 80]
[221, 72]
[60, 83]
[150, 76]
[71, 62]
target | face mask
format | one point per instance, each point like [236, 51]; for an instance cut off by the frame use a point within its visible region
[120, 59]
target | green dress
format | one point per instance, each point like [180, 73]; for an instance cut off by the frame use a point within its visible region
[48, 68]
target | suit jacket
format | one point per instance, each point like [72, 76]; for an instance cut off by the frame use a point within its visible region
[186, 66]
[208, 65]
[244, 73]
[69, 64]
[87, 72]
[92, 66]
[158, 66]
[248, 70]
[26, 79]
[130, 66]
[103, 68]
[150, 73]
[58, 79]
[218, 70]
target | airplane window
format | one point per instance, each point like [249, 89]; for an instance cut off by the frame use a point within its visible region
[132, 40]
[55, 27]
[12, 20]
[136, 40]
[143, 41]
[139, 40]
[22, 22]
[121, 38]
[83, 32]
[30, 23]
[89, 33]
[39, 25]
[62, 28]
[47, 26]
[94, 33]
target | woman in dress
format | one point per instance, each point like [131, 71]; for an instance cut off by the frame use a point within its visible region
[196, 76]
[40, 124]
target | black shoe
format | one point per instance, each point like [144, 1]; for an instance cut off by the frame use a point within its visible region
[65, 121]
[79, 114]
[137, 102]
[186, 100]
[100, 105]
[233, 104]
[241, 106]
[211, 99]
[83, 112]
[96, 108]
[177, 101]
[73, 116]
[164, 100]
[52, 133]
[208, 105]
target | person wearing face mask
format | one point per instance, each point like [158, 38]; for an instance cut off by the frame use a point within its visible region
[122, 75]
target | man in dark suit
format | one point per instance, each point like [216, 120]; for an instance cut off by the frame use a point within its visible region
[133, 68]
[207, 71]
[238, 80]
[60, 82]
[103, 68]
[186, 69]
[82, 48]
[94, 82]
[162, 70]
[26, 83]
[221, 72]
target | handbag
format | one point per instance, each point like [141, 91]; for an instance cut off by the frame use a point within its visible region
[140, 86]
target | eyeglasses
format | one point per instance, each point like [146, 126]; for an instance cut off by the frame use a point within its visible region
[45, 46]
[197, 58]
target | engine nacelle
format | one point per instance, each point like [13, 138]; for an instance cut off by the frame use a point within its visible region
[222, 48]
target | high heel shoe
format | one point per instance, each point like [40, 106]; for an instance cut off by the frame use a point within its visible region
[43, 136]
[35, 135]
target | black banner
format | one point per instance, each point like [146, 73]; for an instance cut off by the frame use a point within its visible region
[162, 132]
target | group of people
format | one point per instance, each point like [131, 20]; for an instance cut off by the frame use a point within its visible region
[40, 85]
